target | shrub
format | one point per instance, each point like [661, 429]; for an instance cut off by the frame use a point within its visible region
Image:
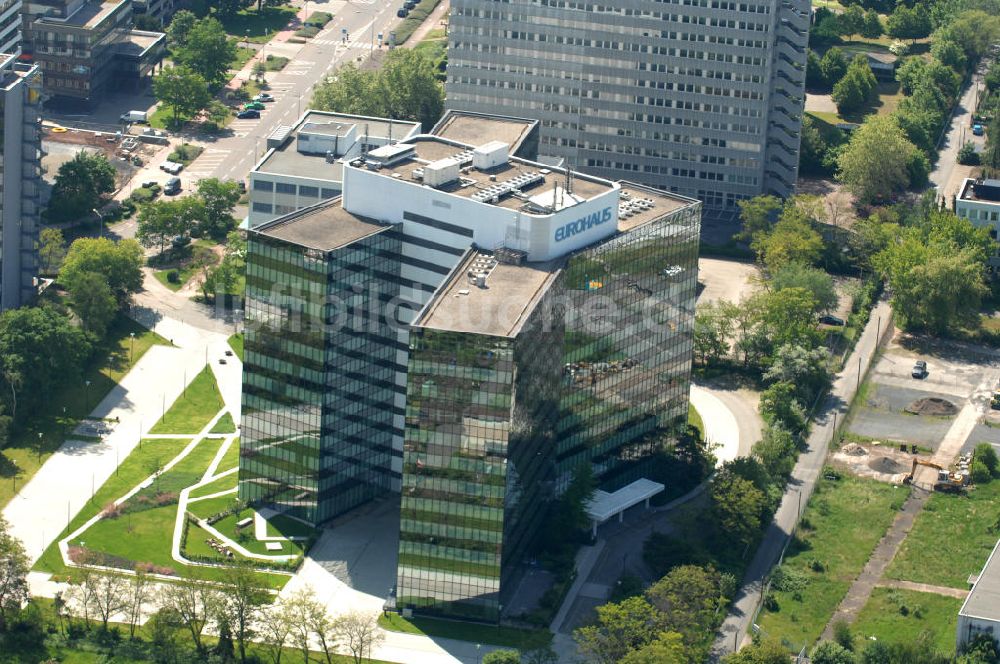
[319, 19]
[985, 453]
[842, 634]
[307, 31]
[112, 511]
[967, 155]
[174, 277]
[185, 153]
[787, 579]
[980, 472]
[150, 568]
[143, 195]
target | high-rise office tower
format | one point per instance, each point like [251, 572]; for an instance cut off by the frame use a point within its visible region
[20, 157]
[463, 328]
[698, 97]
[10, 26]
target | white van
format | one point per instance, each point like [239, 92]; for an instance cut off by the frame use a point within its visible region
[134, 116]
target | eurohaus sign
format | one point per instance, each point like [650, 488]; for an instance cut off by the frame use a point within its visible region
[583, 224]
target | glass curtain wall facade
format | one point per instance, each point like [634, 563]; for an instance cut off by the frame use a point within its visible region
[478, 458]
[319, 377]
[626, 373]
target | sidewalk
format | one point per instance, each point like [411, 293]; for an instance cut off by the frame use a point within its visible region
[61, 487]
[733, 631]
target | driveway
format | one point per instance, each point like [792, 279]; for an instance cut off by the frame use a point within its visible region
[731, 420]
[720, 279]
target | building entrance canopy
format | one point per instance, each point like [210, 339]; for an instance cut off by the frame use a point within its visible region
[605, 505]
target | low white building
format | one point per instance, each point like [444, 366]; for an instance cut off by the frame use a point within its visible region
[980, 614]
[979, 202]
[302, 164]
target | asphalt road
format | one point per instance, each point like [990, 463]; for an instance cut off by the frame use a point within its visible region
[232, 157]
[800, 487]
[959, 132]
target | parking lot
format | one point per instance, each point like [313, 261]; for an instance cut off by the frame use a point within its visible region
[957, 373]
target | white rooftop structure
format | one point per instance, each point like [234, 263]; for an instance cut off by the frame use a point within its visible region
[603, 505]
[980, 613]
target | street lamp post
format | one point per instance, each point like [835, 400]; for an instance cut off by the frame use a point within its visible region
[131, 352]
[39, 447]
[100, 218]
[87, 382]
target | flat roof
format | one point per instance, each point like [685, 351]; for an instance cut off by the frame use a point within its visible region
[287, 160]
[983, 601]
[656, 204]
[603, 505]
[138, 42]
[499, 309]
[432, 148]
[325, 226]
[968, 192]
[477, 128]
[88, 15]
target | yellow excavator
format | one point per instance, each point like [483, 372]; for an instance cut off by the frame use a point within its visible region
[946, 481]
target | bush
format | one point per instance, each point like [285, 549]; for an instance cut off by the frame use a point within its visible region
[174, 277]
[842, 634]
[967, 155]
[185, 153]
[319, 19]
[980, 472]
[787, 579]
[985, 453]
[307, 31]
[275, 63]
[144, 194]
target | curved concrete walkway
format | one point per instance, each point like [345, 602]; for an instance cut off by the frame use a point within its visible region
[722, 430]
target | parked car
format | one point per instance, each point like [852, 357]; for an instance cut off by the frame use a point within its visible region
[248, 115]
[977, 130]
[402, 12]
[919, 369]
[133, 116]
[171, 167]
[410, 4]
[253, 106]
[831, 320]
[180, 241]
[173, 186]
[263, 96]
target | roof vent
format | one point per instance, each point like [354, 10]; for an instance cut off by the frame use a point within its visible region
[490, 155]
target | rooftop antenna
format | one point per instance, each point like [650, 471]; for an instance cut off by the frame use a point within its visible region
[569, 180]
[390, 131]
[364, 143]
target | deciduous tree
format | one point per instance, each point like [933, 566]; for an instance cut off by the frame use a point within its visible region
[219, 197]
[816, 281]
[119, 263]
[360, 633]
[618, 630]
[92, 300]
[243, 603]
[208, 51]
[81, 185]
[196, 604]
[878, 160]
[13, 575]
[183, 90]
[737, 506]
[51, 250]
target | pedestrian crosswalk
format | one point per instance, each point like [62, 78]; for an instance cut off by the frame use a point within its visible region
[208, 162]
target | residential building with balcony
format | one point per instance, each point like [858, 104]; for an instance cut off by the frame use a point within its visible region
[699, 97]
[85, 49]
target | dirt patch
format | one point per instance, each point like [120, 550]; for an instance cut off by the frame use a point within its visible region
[726, 280]
[820, 103]
[883, 464]
[932, 406]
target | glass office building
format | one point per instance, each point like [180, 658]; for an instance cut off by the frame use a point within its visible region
[478, 458]
[318, 380]
[626, 374]
[466, 329]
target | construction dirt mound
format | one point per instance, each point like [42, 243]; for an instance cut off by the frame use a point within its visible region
[853, 449]
[934, 406]
[886, 465]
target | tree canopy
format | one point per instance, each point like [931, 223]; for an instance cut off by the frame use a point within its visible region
[181, 89]
[404, 88]
[207, 51]
[879, 161]
[118, 263]
[80, 186]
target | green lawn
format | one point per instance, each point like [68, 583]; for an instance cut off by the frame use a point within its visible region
[185, 153]
[887, 98]
[951, 538]
[215, 486]
[146, 535]
[204, 509]
[194, 408]
[901, 615]
[694, 419]
[243, 55]
[258, 27]
[275, 62]
[834, 544]
[522, 639]
[163, 118]
[225, 424]
[152, 453]
[62, 411]
[236, 343]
